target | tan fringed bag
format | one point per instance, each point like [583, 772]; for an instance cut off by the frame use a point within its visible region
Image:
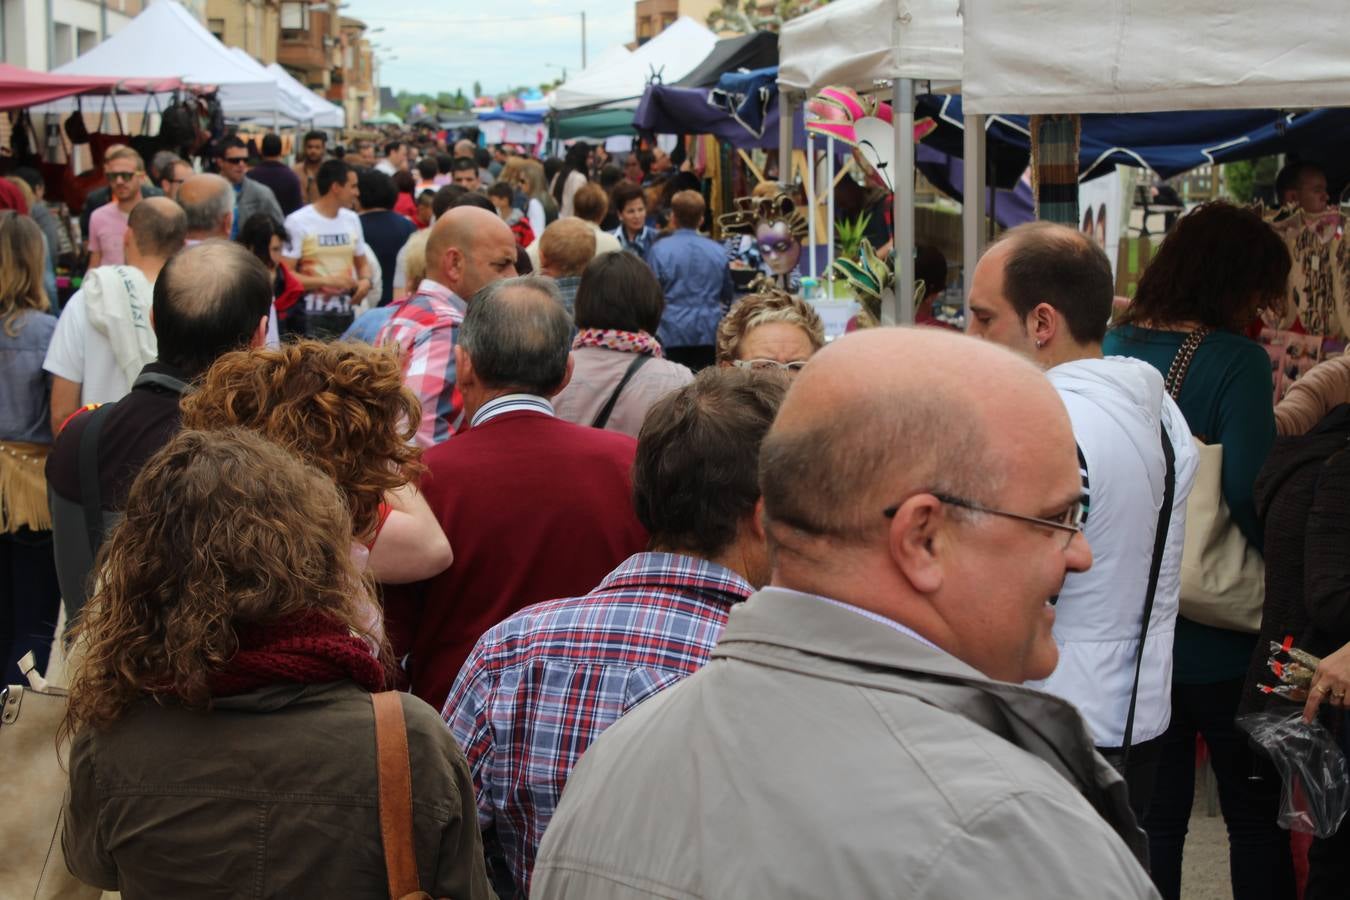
[23, 487]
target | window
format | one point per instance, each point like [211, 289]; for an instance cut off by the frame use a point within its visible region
[294, 15]
[217, 27]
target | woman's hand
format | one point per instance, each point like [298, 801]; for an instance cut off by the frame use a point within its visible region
[1330, 683]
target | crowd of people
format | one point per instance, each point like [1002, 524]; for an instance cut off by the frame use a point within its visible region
[680, 600]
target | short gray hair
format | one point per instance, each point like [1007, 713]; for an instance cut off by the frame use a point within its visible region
[206, 215]
[517, 342]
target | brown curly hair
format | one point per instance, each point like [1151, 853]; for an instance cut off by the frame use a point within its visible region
[761, 308]
[341, 407]
[222, 529]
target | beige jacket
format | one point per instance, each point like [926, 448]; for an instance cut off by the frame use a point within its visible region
[597, 372]
[824, 754]
[1320, 389]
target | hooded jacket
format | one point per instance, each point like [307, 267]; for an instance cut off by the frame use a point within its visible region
[1117, 406]
[823, 754]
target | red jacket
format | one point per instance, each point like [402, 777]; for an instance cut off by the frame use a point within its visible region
[535, 508]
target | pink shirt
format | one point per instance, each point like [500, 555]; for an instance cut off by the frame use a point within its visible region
[107, 229]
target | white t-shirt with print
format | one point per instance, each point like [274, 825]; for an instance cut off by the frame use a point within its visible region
[325, 246]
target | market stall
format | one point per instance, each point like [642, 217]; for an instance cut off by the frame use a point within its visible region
[167, 41]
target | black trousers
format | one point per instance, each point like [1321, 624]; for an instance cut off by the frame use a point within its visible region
[1141, 772]
[29, 600]
[1259, 859]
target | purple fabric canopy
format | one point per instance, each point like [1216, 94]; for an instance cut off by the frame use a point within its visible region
[674, 110]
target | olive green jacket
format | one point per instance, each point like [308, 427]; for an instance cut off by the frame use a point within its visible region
[270, 794]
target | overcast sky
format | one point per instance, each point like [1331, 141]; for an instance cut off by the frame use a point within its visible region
[501, 43]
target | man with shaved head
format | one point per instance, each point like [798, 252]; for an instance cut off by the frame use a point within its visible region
[208, 300]
[103, 337]
[861, 729]
[469, 248]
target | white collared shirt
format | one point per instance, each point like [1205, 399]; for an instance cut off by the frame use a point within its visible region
[510, 403]
[866, 613]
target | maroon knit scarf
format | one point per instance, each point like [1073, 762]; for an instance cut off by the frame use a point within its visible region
[311, 648]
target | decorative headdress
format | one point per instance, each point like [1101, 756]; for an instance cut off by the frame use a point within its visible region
[750, 211]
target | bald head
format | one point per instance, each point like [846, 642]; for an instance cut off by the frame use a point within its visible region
[208, 203]
[465, 148]
[210, 298]
[469, 248]
[885, 412]
[157, 228]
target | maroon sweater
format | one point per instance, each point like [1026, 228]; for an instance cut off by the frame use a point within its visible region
[535, 508]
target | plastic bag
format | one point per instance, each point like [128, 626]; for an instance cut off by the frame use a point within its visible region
[1316, 791]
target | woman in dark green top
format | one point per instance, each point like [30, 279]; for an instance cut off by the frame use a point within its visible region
[1217, 268]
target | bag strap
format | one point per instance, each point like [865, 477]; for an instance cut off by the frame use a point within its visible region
[160, 379]
[91, 493]
[395, 784]
[1159, 546]
[602, 419]
[1181, 363]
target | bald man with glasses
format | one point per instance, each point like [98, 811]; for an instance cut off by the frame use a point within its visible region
[861, 729]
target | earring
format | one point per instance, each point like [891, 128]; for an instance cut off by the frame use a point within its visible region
[1040, 344]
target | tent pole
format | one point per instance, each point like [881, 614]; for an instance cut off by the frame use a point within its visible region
[829, 217]
[811, 203]
[972, 209]
[903, 109]
[785, 116]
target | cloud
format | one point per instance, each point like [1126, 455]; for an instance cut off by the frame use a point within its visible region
[502, 45]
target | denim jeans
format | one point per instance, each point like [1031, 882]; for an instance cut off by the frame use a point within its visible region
[29, 600]
[1259, 859]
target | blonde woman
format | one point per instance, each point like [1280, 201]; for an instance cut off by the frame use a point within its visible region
[527, 175]
[769, 330]
[30, 594]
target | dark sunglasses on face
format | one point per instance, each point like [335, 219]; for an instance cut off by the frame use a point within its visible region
[122, 176]
[235, 160]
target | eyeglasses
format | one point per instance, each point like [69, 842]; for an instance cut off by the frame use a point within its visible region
[234, 160]
[1070, 521]
[767, 365]
[122, 176]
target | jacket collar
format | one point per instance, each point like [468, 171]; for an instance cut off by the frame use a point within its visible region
[797, 632]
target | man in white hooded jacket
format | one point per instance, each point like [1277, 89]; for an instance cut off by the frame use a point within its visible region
[1045, 291]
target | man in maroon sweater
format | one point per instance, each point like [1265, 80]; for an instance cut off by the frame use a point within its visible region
[535, 507]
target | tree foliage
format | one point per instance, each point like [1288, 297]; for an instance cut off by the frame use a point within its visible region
[751, 16]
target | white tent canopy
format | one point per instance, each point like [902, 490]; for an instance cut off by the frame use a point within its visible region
[1153, 55]
[857, 42]
[672, 54]
[323, 113]
[166, 40]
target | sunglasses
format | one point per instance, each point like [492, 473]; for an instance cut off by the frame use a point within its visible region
[234, 160]
[122, 176]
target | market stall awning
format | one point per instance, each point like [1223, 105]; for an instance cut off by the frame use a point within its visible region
[1067, 56]
[323, 114]
[21, 88]
[1173, 142]
[857, 42]
[598, 124]
[668, 57]
[678, 110]
[167, 41]
[749, 51]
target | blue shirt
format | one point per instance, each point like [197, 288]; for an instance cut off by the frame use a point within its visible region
[25, 410]
[641, 242]
[696, 280]
[367, 325]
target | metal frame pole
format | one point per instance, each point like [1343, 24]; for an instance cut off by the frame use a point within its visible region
[972, 209]
[903, 241]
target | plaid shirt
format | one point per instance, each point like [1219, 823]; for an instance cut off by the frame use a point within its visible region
[542, 685]
[426, 327]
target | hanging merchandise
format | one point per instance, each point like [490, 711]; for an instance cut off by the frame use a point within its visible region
[778, 227]
[1319, 282]
[863, 123]
[1054, 167]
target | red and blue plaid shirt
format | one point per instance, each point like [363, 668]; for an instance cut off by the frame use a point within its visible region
[542, 685]
[426, 327]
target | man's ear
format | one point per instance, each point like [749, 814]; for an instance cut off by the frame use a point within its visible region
[464, 373]
[1043, 323]
[567, 376]
[917, 542]
[259, 334]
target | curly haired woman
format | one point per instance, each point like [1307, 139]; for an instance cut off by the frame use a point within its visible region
[342, 408]
[223, 732]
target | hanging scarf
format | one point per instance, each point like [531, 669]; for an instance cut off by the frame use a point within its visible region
[310, 648]
[613, 339]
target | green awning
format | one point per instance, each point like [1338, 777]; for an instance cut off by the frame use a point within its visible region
[598, 124]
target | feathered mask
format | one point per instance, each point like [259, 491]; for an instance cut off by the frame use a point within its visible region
[750, 211]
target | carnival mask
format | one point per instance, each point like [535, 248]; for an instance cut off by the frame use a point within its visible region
[778, 246]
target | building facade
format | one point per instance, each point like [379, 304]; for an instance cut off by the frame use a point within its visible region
[28, 38]
[252, 25]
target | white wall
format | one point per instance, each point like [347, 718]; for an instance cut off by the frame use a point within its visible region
[76, 23]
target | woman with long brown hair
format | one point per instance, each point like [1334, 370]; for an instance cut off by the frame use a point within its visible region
[29, 594]
[1219, 266]
[223, 730]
